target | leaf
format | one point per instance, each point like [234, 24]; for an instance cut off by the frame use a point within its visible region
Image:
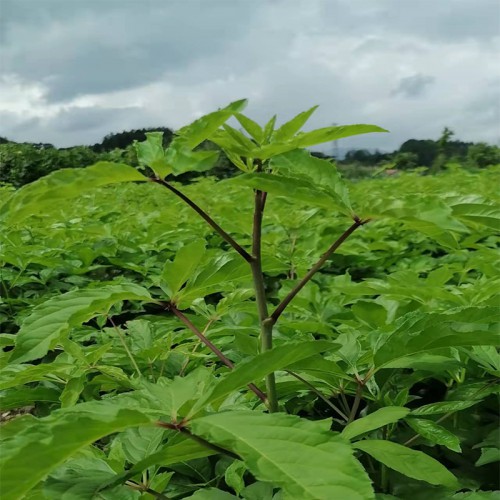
[72, 391]
[140, 442]
[213, 276]
[422, 332]
[35, 451]
[183, 450]
[53, 319]
[302, 457]
[211, 494]
[202, 128]
[183, 159]
[234, 476]
[327, 134]
[15, 375]
[176, 273]
[251, 127]
[290, 128]
[269, 129]
[27, 396]
[435, 433]
[443, 407]
[488, 456]
[375, 420]
[45, 193]
[411, 463]
[152, 154]
[480, 213]
[286, 186]
[321, 173]
[254, 369]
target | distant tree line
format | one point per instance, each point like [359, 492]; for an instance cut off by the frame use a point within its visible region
[21, 163]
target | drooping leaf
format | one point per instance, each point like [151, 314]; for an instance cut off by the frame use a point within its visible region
[254, 369]
[302, 457]
[32, 453]
[152, 154]
[479, 213]
[423, 332]
[213, 276]
[375, 420]
[411, 463]
[176, 273]
[321, 173]
[435, 433]
[64, 184]
[14, 375]
[299, 189]
[54, 318]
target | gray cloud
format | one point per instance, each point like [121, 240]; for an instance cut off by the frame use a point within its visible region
[75, 71]
[413, 86]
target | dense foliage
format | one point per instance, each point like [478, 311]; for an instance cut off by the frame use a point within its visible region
[160, 354]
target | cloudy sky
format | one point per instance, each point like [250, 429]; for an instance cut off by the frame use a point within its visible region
[74, 70]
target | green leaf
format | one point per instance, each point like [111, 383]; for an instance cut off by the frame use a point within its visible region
[288, 187]
[251, 127]
[14, 375]
[422, 332]
[213, 276]
[254, 369]
[443, 407]
[202, 128]
[27, 396]
[290, 128]
[302, 457]
[328, 134]
[183, 159]
[322, 173]
[53, 319]
[72, 391]
[35, 451]
[140, 442]
[488, 456]
[183, 450]
[269, 129]
[480, 213]
[176, 273]
[45, 193]
[234, 476]
[152, 154]
[375, 420]
[212, 494]
[435, 433]
[408, 462]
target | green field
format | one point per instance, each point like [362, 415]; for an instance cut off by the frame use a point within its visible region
[121, 309]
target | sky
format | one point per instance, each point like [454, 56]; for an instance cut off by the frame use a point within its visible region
[72, 71]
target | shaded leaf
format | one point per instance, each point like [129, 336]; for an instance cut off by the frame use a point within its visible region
[435, 433]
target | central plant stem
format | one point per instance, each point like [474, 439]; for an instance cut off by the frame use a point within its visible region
[266, 325]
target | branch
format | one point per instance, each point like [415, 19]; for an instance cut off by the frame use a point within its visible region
[213, 348]
[206, 218]
[284, 303]
[183, 430]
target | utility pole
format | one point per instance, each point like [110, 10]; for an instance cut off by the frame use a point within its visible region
[335, 146]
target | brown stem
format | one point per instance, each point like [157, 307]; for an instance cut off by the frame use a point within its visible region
[319, 394]
[284, 303]
[266, 328]
[213, 348]
[206, 218]
[183, 430]
[357, 401]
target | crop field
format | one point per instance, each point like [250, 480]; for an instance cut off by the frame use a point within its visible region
[304, 338]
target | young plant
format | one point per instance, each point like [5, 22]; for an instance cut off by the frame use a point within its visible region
[159, 412]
